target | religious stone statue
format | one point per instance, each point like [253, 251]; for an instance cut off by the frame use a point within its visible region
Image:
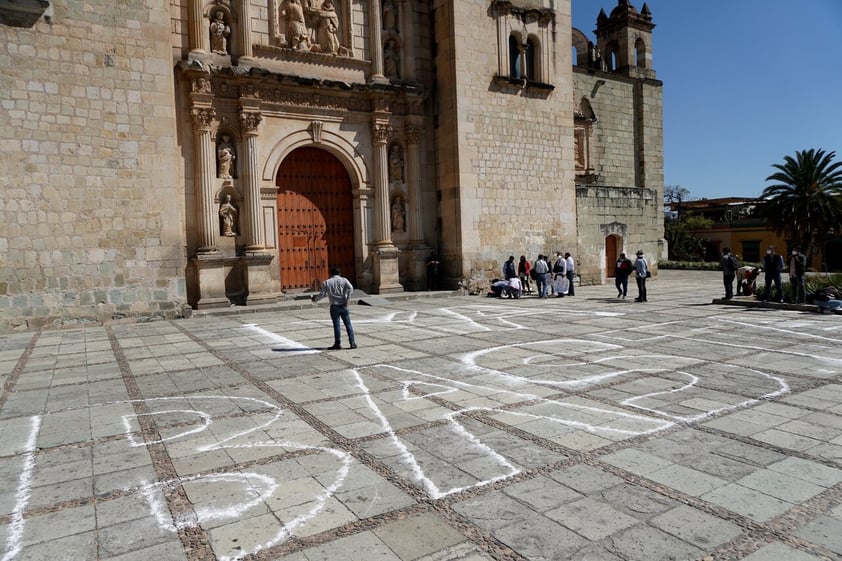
[228, 213]
[395, 163]
[297, 35]
[327, 27]
[390, 16]
[219, 33]
[391, 59]
[226, 156]
[398, 215]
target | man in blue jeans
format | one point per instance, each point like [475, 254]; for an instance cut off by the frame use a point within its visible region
[338, 289]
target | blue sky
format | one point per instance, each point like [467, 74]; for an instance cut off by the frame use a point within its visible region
[746, 82]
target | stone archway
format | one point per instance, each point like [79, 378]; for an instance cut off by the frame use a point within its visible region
[315, 218]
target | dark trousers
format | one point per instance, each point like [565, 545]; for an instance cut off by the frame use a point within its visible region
[570, 275]
[641, 288]
[337, 312]
[776, 279]
[728, 280]
[799, 291]
[622, 284]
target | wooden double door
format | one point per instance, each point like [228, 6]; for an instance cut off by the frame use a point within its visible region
[315, 219]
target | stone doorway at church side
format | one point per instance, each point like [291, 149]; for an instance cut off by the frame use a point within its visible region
[315, 219]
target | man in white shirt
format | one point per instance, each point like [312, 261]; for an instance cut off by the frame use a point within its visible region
[338, 289]
[571, 268]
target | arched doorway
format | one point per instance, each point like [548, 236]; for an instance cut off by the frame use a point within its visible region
[315, 219]
[613, 247]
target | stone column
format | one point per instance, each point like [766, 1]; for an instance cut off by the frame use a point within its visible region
[204, 171]
[381, 131]
[250, 123]
[384, 254]
[375, 27]
[198, 33]
[246, 55]
[413, 177]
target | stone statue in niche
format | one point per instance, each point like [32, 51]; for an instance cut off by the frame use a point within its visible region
[391, 59]
[225, 155]
[398, 214]
[390, 16]
[395, 163]
[228, 216]
[297, 35]
[327, 28]
[219, 32]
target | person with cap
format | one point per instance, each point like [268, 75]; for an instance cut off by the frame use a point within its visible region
[641, 269]
[797, 268]
[338, 289]
[622, 271]
[729, 266]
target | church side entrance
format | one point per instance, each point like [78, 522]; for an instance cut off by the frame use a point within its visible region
[315, 219]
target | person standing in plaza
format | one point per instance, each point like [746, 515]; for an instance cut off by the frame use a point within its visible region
[729, 266]
[541, 269]
[641, 270]
[773, 264]
[509, 269]
[797, 268]
[571, 272]
[338, 289]
[559, 271]
[622, 271]
[524, 267]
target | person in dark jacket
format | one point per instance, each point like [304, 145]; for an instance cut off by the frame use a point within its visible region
[773, 264]
[729, 266]
[797, 268]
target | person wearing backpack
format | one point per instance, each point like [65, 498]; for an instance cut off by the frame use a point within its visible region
[621, 275]
[729, 265]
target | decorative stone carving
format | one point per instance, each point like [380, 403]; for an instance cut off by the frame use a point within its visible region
[390, 16]
[225, 157]
[250, 121]
[381, 132]
[391, 60]
[228, 214]
[395, 163]
[219, 33]
[202, 117]
[316, 131]
[326, 28]
[398, 212]
[297, 34]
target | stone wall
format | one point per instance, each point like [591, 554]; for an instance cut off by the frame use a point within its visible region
[624, 194]
[506, 148]
[91, 219]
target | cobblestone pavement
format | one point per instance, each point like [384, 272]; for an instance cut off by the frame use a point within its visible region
[463, 428]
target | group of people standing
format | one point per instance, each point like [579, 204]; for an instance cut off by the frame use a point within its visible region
[625, 268]
[556, 278]
[773, 266]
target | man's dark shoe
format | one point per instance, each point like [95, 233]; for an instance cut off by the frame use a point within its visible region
[353, 345]
[335, 347]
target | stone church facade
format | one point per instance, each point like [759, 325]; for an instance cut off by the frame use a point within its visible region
[206, 153]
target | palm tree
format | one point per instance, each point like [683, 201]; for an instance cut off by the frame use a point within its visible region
[805, 202]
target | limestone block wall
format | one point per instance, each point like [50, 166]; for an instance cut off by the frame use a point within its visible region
[627, 162]
[505, 150]
[91, 223]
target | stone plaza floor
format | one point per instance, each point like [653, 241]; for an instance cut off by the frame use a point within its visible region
[465, 428]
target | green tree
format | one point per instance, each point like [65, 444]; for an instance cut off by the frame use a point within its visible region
[805, 202]
[679, 228]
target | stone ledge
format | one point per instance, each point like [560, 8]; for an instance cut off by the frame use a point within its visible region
[738, 301]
